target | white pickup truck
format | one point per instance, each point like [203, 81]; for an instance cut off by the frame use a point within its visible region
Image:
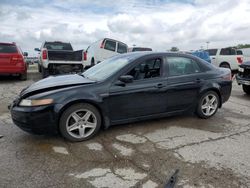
[59, 58]
[225, 57]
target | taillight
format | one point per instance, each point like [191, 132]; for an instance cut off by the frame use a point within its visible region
[44, 54]
[84, 56]
[240, 60]
[17, 58]
[102, 45]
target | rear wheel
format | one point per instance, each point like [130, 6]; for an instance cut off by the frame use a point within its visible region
[92, 62]
[39, 68]
[225, 65]
[80, 122]
[45, 72]
[208, 105]
[246, 89]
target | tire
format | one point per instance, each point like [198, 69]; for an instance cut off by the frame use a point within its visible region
[45, 72]
[74, 118]
[225, 65]
[92, 62]
[23, 76]
[206, 107]
[39, 68]
[246, 89]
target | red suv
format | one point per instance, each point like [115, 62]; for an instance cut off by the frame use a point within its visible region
[12, 60]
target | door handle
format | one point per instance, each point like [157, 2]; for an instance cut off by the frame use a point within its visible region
[159, 86]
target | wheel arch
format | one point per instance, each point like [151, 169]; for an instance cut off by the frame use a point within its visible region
[225, 62]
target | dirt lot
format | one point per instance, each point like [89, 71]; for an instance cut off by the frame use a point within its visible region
[209, 153]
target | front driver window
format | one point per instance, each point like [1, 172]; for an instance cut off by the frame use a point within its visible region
[147, 69]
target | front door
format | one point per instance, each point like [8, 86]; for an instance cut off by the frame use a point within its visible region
[144, 96]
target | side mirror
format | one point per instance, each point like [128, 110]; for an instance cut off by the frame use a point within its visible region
[37, 49]
[25, 54]
[126, 78]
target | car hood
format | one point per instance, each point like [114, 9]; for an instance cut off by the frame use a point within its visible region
[55, 82]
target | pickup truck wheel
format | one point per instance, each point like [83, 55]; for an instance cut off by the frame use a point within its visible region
[92, 62]
[246, 89]
[208, 105]
[80, 122]
[45, 72]
[39, 68]
[225, 65]
[23, 76]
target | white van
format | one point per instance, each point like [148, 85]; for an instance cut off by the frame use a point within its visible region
[103, 49]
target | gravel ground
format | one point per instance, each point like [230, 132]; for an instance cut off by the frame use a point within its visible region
[208, 153]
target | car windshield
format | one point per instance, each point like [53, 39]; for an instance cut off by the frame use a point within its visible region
[106, 68]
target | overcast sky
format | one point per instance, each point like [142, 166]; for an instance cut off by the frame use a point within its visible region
[160, 24]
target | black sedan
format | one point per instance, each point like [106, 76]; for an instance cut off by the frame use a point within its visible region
[125, 88]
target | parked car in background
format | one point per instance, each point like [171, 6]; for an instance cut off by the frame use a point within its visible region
[123, 89]
[12, 60]
[59, 58]
[139, 49]
[225, 57]
[103, 49]
[243, 77]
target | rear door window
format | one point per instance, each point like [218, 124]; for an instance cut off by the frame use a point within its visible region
[110, 45]
[5, 48]
[122, 48]
[228, 51]
[179, 66]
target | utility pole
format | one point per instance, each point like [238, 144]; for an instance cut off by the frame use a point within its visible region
[207, 44]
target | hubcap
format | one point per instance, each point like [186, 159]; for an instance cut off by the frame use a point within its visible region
[81, 123]
[209, 105]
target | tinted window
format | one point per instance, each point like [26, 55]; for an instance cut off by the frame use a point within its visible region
[147, 69]
[110, 45]
[5, 48]
[239, 52]
[212, 52]
[58, 46]
[182, 66]
[122, 48]
[228, 51]
[141, 49]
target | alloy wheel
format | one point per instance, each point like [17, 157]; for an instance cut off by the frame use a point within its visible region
[209, 104]
[81, 123]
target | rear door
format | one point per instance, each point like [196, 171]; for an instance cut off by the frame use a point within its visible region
[185, 78]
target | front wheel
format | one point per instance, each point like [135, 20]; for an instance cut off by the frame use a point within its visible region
[246, 89]
[80, 122]
[208, 105]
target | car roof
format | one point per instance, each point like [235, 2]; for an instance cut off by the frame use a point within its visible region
[148, 53]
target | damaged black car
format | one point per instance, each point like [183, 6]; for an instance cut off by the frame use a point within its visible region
[125, 88]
